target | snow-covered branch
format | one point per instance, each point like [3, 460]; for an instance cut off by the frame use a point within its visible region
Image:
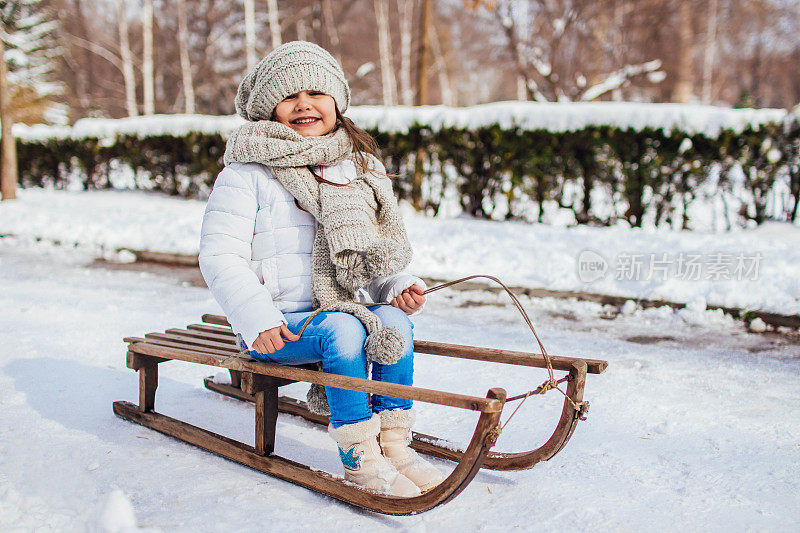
[616, 79]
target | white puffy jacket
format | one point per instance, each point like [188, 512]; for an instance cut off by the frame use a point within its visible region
[255, 249]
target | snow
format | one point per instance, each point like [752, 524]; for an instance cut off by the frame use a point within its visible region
[756, 268]
[527, 116]
[118, 515]
[694, 426]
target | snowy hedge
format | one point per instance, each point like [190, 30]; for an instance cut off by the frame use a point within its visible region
[602, 161]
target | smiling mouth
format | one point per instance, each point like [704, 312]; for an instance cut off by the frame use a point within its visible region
[304, 121]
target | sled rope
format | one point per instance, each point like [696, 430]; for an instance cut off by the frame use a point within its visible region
[550, 383]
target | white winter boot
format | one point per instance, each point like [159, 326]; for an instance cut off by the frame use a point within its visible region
[363, 462]
[394, 439]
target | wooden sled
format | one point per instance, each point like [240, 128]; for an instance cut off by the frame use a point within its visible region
[219, 332]
[261, 381]
[213, 343]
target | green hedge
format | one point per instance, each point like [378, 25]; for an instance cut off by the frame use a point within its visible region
[645, 173]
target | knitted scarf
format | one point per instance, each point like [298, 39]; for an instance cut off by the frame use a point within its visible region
[360, 235]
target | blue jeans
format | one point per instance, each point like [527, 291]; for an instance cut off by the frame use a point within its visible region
[337, 339]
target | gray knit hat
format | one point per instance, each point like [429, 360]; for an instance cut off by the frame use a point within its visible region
[290, 68]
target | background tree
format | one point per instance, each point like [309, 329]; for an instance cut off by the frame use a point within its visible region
[8, 149]
[27, 87]
[741, 53]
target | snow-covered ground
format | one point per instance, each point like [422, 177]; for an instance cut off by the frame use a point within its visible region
[753, 269]
[694, 426]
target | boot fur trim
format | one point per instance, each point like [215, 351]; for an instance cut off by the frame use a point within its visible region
[359, 432]
[398, 418]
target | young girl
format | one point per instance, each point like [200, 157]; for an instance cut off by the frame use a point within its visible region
[303, 217]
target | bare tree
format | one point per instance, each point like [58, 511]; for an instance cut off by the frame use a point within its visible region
[8, 144]
[147, 58]
[250, 33]
[385, 50]
[330, 29]
[710, 45]
[682, 91]
[423, 58]
[186, 65]
[406, 8]
[274, 23]
[448, 96]
[566, 49]
[423, 63]
[127, 60]
[544, 53]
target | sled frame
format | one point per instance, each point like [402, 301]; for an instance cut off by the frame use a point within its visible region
[215, 336]
[261, 381]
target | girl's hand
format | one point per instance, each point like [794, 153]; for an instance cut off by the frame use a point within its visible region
[272, 340]
[410, 300]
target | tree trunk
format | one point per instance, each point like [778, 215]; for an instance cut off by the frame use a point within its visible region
[186, 65]
[423, 62]
[275, 25]
[8, 146]
[250, 33]
[423, 59]
[127, 60]
[406, 8]
[683, 87]
[330, 29]
[448, 97]
[85, 81]
[302, 30]
[708, 57]
[147, 58]
[385, 49]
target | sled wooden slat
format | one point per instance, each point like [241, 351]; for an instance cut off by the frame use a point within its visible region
[216, 337]
[225, 330]
[494, 355]
[189, 340]
[169, 344]
[510, 357]
[234, 362]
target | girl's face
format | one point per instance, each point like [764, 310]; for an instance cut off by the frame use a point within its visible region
[309, 113]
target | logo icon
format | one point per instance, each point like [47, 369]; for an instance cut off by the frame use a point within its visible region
[591, 266]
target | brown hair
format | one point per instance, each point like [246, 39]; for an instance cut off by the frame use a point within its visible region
[363, 143]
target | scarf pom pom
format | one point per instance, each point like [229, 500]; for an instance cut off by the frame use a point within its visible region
[386, 346]
[317, 400]
[353, 275]
[386, 257]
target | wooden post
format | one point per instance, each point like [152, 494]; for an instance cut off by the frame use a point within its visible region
[148, 382]
[265, 392]
[147, 366]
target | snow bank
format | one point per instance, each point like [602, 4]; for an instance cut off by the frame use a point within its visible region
[572, 116]
[527, 116]
[755, 268]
